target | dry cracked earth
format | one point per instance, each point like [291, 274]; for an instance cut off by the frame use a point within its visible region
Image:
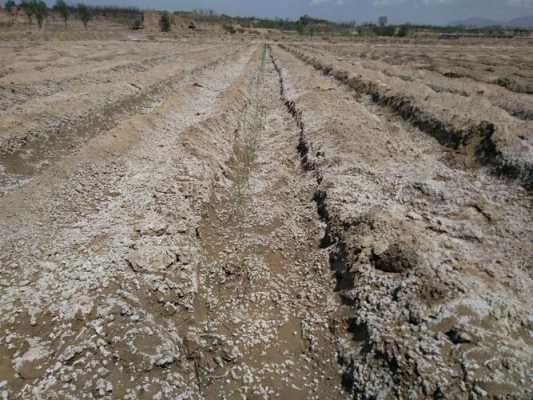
[218, 218]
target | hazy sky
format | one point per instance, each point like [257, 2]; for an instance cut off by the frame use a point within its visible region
[430, 11]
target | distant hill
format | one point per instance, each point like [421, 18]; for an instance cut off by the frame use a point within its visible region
[521, 22]
[476, 23]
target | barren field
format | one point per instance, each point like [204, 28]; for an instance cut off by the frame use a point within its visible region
[222, 217]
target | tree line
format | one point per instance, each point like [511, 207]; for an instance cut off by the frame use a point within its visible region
[305, 25]
[39, 11]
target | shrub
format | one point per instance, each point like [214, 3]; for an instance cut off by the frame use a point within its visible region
[137, 24]
[84, 13]
[403, 31]
[229, 28]
[165, 22]
[384, 30]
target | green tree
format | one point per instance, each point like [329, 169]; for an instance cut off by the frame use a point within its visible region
[84, 13]
[40, 9]
[63, 10]
[165, 22]
[28, 6]
[11, 7]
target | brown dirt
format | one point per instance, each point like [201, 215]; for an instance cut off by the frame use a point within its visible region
[217, 217]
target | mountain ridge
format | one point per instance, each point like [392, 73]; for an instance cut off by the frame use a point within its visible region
[475, 22]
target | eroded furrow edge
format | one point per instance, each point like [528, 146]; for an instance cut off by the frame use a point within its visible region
[479, 137]
[12, 150]
[310, 164]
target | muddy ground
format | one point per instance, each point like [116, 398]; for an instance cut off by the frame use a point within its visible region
[223, 218]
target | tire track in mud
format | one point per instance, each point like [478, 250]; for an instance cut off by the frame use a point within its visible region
[21, 157]
[262, 314]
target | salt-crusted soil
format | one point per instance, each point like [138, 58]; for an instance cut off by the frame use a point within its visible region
[433, 259]
[221, 218]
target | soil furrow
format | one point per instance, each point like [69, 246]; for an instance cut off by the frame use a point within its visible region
[29, 152]
[233, 212]
[101, 271]
[517, 105]
[486, 65]
[496, 142]
[265, 291]
[14, 95]
[409, 326]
